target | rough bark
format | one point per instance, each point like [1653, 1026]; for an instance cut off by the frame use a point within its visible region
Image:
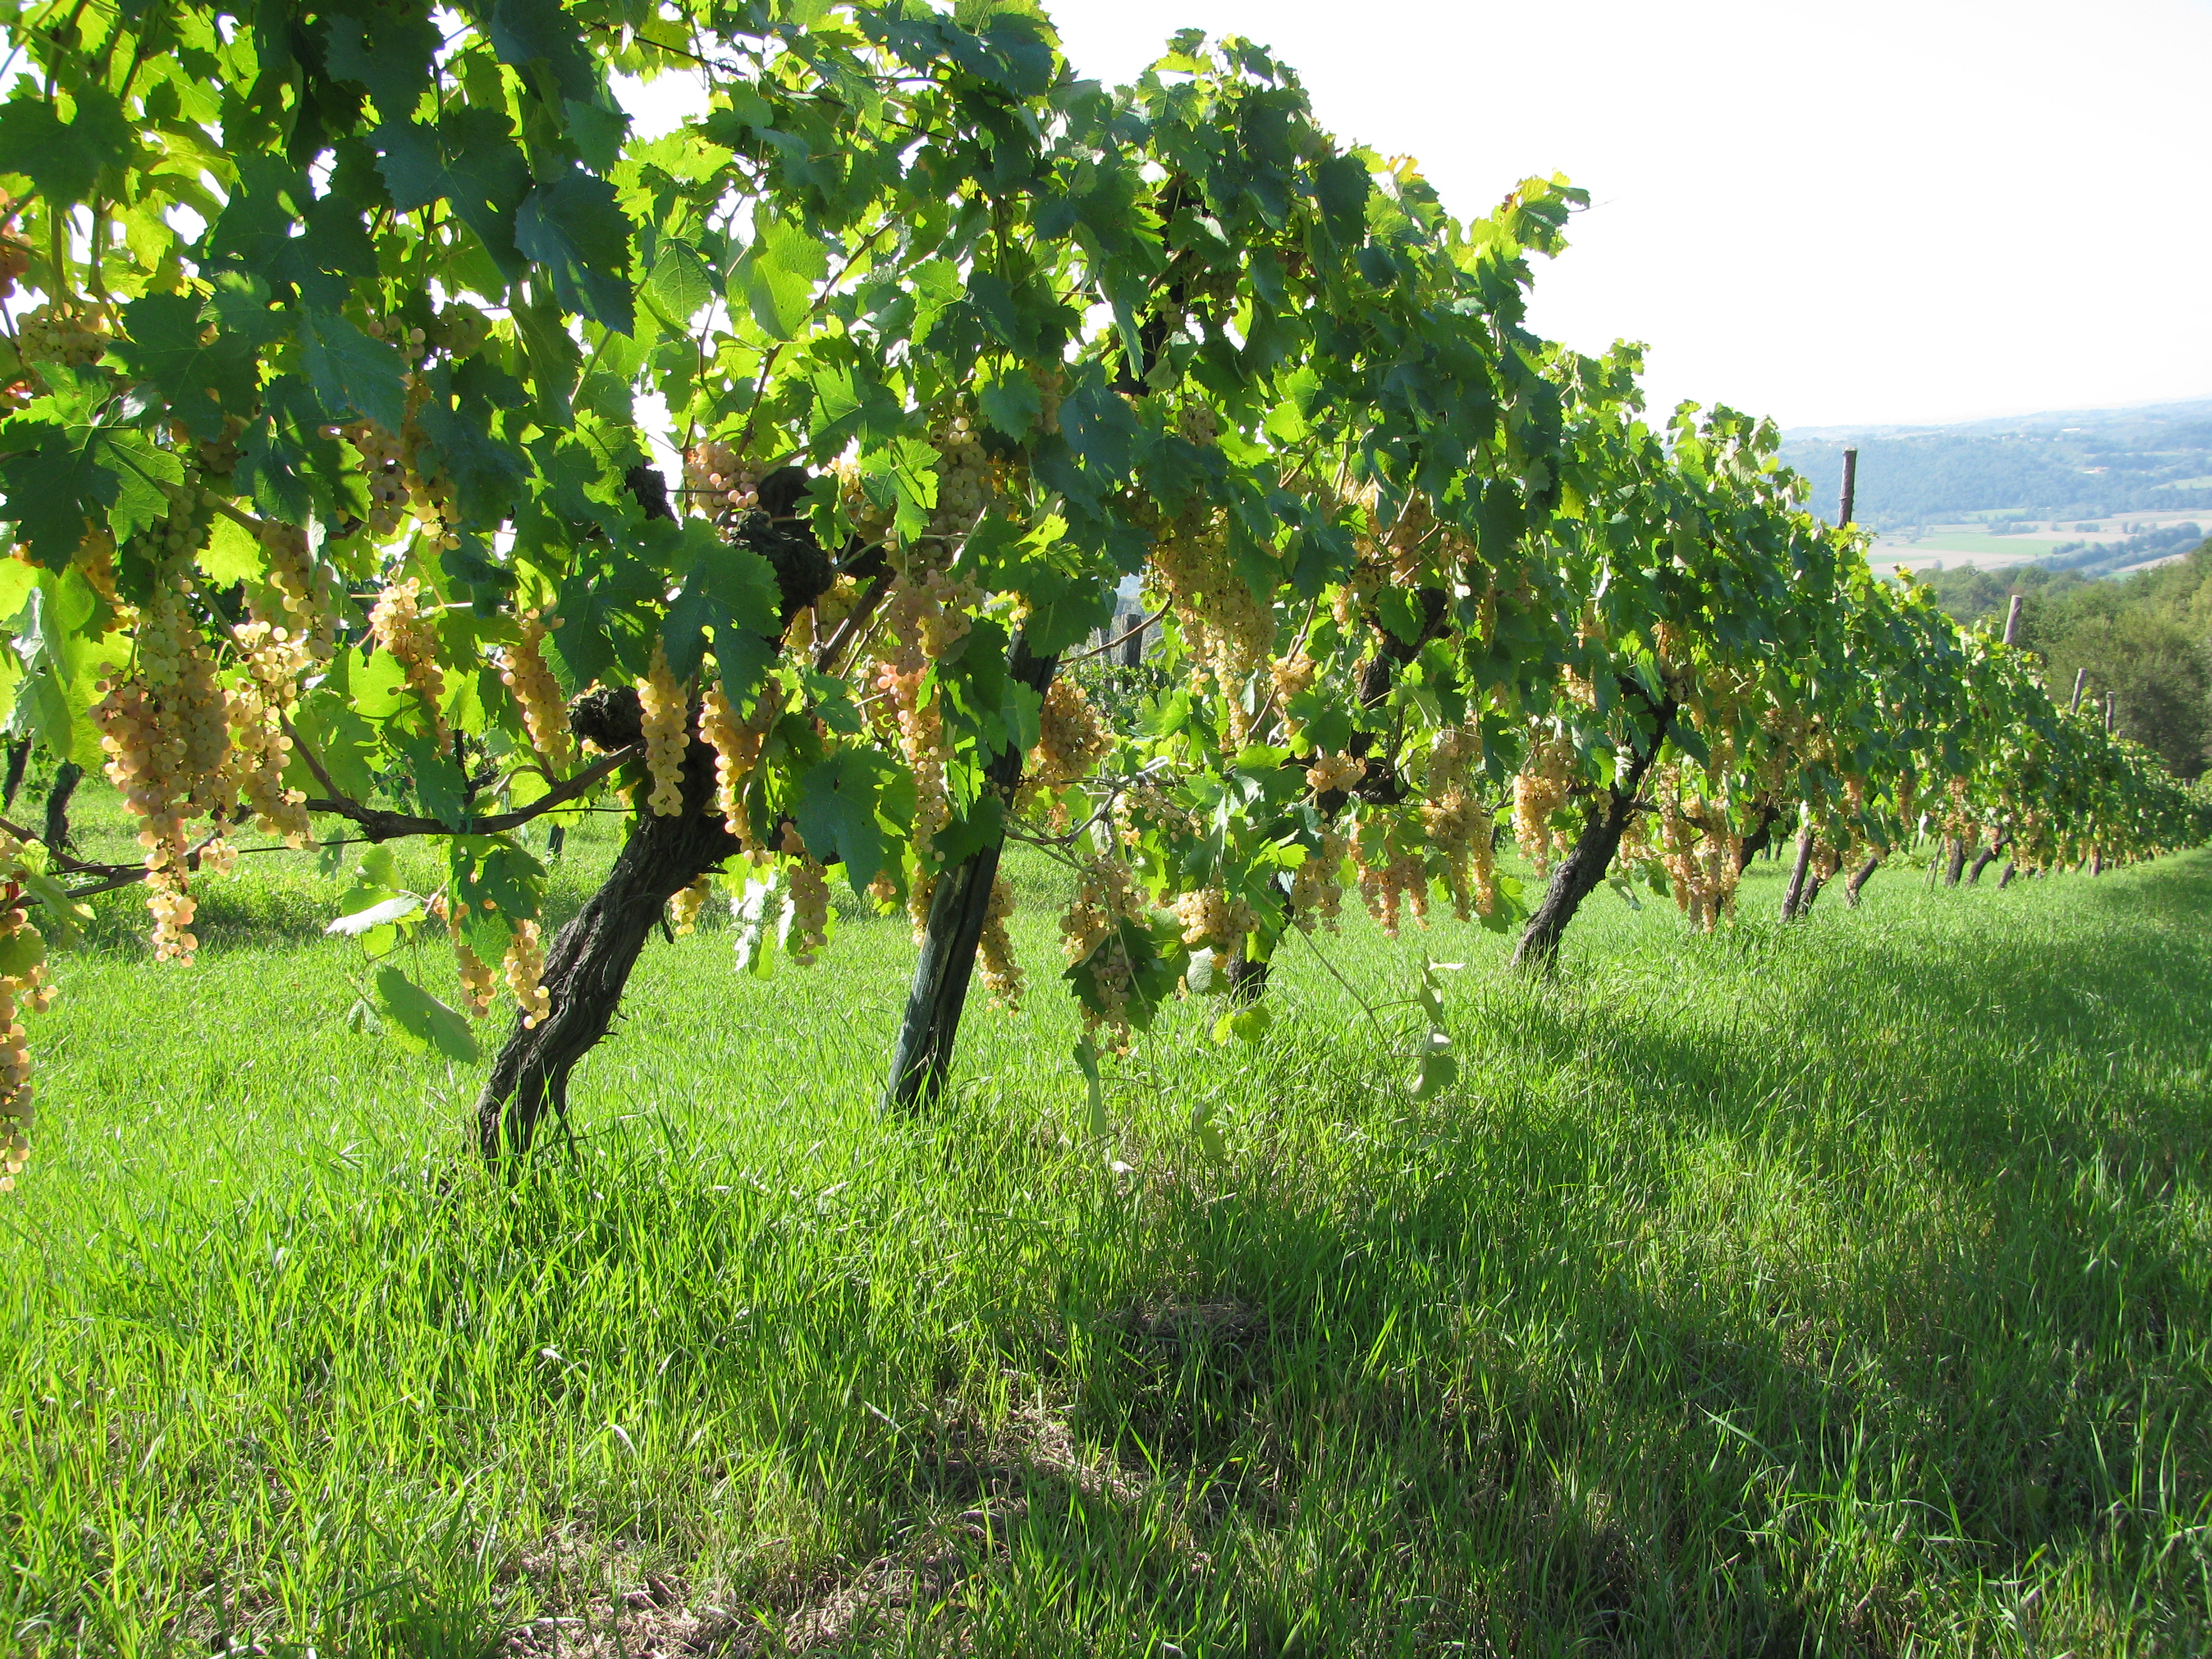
[1983, 859]
[1957, 867]
[2005, 875]
[1248, 980]
[1851, 887]
[958, 905]
[1793, 895]
[18, 757]
[1577, 875]
[57, 805]
[590, 959]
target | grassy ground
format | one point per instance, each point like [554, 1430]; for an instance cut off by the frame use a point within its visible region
[1839, 1290]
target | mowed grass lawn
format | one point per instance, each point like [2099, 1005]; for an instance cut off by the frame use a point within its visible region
[1839, 1289]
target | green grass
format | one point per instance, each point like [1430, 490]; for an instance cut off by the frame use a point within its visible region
[1841, 1289]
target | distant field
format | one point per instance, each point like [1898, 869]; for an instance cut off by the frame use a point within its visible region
[1963, 548]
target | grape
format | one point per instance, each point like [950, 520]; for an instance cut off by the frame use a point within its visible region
[667, 734]
[810, 898]
[523, 671]
[1002, 975]
[737, 747]
[526, 972]
[685, 905]
[398, 624]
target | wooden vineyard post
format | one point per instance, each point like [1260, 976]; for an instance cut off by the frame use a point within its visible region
[2110, 706]
[1794, 896]
[2012, 620]
[1850, 487]
[2081, 679]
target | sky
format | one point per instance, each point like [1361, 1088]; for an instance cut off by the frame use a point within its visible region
[1897, 212]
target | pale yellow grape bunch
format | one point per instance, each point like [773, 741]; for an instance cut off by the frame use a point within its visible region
[15, 256]
[667, 734]
[1198, 422]
[382, 464]
[73, 336]
[810, 899]
[479, 979]
[1224, 623]
[412, 343]
[305, 588]
[28, 992]
[146, 763]
[737, 746]
[522, 672]
[398, 625]
[1392, 879]
[1071, 740]
[1317, 885]
[95, 557]
[716, 478]
[685, 905]
[259, 747]
[526, 972]
[166, 731]
[994, 950]
[963, 480]
[1539, 790]
[1331, 774]
[1210, 917]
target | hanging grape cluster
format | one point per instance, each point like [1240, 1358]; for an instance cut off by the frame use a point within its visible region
[667, 734]
[398, 624]
[523, 671]
[26, 990]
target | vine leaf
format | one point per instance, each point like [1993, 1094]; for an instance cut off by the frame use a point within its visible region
[64, 159]
[573, 227]
[350, 371]
[418, 1015]
[201, 371]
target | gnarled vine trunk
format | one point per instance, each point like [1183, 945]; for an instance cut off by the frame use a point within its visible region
[590, 959]
[1577, 875]
[1865, 870]
[958, 907]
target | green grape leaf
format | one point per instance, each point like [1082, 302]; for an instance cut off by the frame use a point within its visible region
[64, 159]
[680, 286]
[573, 227]
[1209, 1137]
[21, 949]
[423, 1018]
[778, 273]
[202, 371]
[471, 160]
[381, 914]
[731, 590]
[835, 808]
[393, 60]
[350, 371]
[527, 32]
[1437, 1070]
[762, 898]
[74, 465]
[1244, 1025]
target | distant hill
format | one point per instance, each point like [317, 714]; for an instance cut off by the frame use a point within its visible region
[2067, 464]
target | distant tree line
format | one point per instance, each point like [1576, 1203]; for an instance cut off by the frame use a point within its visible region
[2145, 641]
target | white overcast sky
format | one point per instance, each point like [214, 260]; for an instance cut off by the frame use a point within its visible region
[1892, 210]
